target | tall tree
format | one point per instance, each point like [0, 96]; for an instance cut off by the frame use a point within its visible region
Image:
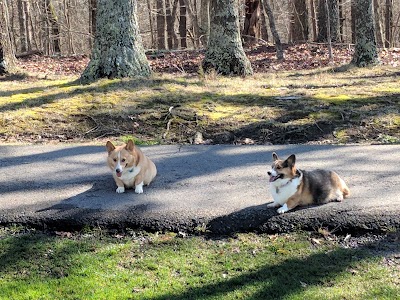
[333, 11]
[161, 25]
[118, 51]
[204, 21]
[365, 52]
[251, 30]
[388, 23]
[298, 20]
[7, 55]
[225, 52]
[182, 23]
[275, 34]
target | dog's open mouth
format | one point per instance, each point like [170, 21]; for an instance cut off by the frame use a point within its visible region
[119, 174]
[273, 178]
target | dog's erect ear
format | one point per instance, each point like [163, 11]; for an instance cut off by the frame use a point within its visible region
[274, 156]
[110, 147]
[130, 146]
[291, 160]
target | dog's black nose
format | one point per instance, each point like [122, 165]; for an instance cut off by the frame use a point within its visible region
[269, 173]
[118, 170]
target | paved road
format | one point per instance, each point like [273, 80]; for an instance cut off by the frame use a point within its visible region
[222, 189]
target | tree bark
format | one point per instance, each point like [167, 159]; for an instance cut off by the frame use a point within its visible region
[388, 23]
[182, 23]
[298, 21]
[205, 21]
[53, 26]
[251, 30]
[7, 55]
[378, 24]
[118, 51]
[225, 52]
[161, 25]
[275, 34]
[333, 11]
[365, 53]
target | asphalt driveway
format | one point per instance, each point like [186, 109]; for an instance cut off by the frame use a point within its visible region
[221, 189]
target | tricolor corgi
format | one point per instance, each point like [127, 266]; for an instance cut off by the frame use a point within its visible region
[130, 167]
[291, 187]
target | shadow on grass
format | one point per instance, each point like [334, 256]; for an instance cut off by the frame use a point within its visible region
[42, 257]
[31, 102]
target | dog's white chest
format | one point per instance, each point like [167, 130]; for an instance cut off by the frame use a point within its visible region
[129, 176]
[282, 192]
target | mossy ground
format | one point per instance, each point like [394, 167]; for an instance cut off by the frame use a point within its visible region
[312, 106]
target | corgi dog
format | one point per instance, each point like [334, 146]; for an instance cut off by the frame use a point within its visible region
[130, 167]
[291, 187]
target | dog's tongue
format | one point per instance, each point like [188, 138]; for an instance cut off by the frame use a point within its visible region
[119, 174]
[272, 178]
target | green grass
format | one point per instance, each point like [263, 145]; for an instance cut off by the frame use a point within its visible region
[164, 266]
[277, 107]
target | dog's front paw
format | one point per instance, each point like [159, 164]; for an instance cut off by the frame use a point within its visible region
[120, 190]
[282, 209]
[139, 188]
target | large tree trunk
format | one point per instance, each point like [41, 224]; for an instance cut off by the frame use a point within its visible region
[365, 52]
[225, 52]
[7, 55]
[118, 51]
[298, 21]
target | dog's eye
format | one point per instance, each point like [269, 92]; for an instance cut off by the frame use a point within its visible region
[123, 160]
[278, 167]
[115, 160]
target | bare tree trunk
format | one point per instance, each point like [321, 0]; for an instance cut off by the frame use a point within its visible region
[277, 40]
[204, 21]
[298, 20]
[92, 21]
[171, 12]
[161, 25]
[54, 27]
[313, 20]
[7, 54]
[353, 21]
[328, 33]
[225, 52]
[22, 28]
[195, 23]
[251, 30]
[378, 24]
[118, 51]
[182, 23]
[264, 24]
[333, 11]
[388, 23]
[365, 52]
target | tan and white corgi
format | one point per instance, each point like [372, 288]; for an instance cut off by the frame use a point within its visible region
[291, 187]
[131, 168]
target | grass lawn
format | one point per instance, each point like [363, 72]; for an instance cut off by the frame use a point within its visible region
[96, 265]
